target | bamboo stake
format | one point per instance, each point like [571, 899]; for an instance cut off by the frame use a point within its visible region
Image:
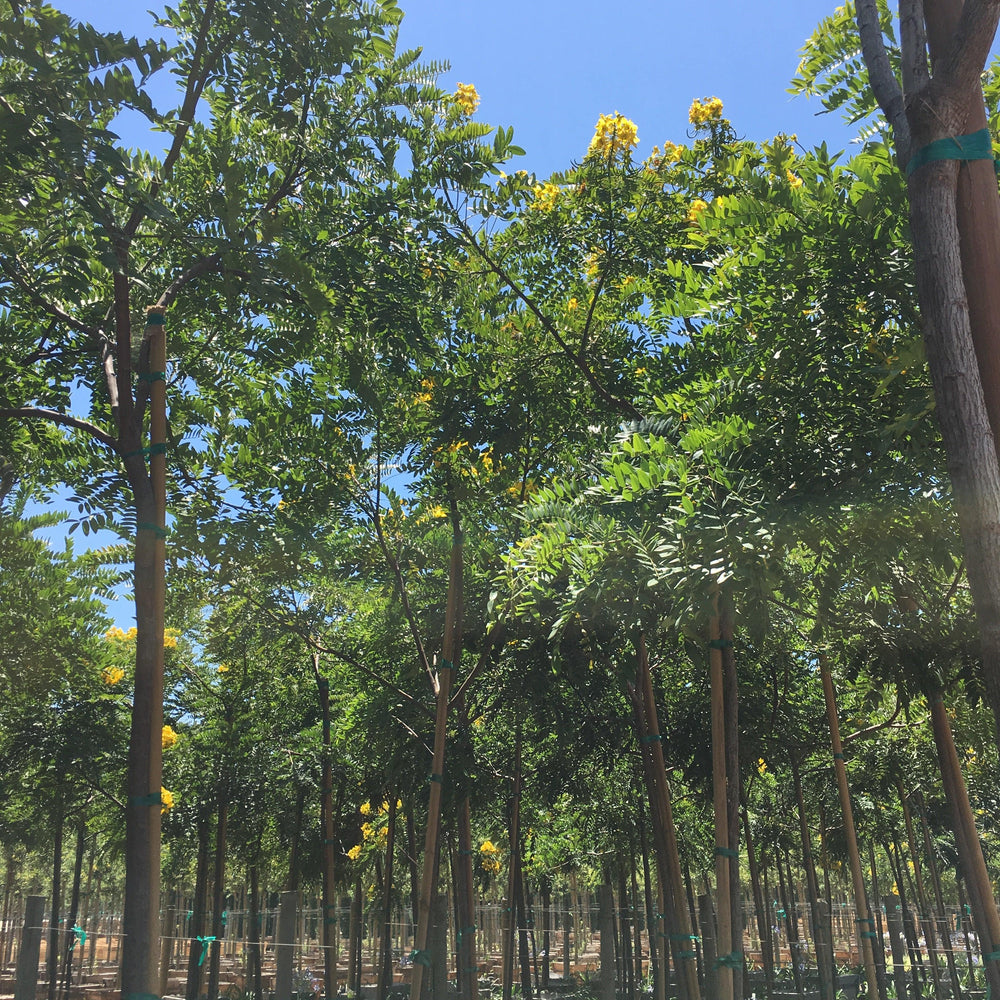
[864, 918]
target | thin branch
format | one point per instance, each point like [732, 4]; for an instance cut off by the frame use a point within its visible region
[50, 307]
[615, 402]
[883, 82]
[862, 733]
[63, 419]
[196, 270]
[493, 639]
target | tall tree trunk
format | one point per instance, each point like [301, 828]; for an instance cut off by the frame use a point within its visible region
[728, 955]
[763, 924]
[970, 853]
[141, 911]
[513, 842]
[196, 956]
[866, 923]
[734, 785]
[451, 649]
[329, 893]
[385, 947]
[468, 964]
[664, 832]
[72, 941]
[218, 895]
[254, 970]
[821, 931]
[942, 915]
[52, 947]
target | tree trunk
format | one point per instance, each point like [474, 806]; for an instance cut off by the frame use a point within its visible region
[970, 853]
[196, 956]
[821, 931]
[451, 649]
[664, 833]
[218, 896]
[728, 955]
[72, 941]
[254, 970]
[141, 911]
[329, 894]
[513, 849]
[866, 924]
[385, 947]
[52, 947]
[763, 924]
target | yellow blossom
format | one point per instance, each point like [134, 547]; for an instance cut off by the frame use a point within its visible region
[761, 766]
[696, 208]
[793, 180]
[705, 111]
[169, 737]
[421, 398]
[572, 305]
[112, 675]
[170, 638]
[488, 847]
[223, 668]
[166, 800]
[437, 511]
[545, 196]
[366, 809]
[467, 98]
[614, 135]
[355, 852]
[367, 830]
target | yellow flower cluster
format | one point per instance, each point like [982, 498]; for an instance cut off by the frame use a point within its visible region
[572, 305]
[670, 153]
[115, 634]
[170, 638]
[761, 766]
[545, 196]
[467, 98]
[367, 830]
[793, 179]
[705, 111]
[112, 675]
[355, 852]
[614, 135]
[489, 857]
[223, 668]
[366, 809]
[696, 208]
[169, 737]
[166, 800]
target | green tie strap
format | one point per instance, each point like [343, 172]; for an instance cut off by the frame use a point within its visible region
[420, 956]
[727, 852]
[734, 960]
[154, 528]
[719, 644]
[204, 942]
[439, 778]
[153, 799]
[152, 376]
[465, 931]
[154, 318]
[975, 146]
[652, 738]
[81, 937]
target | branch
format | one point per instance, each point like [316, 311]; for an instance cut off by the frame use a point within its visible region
[971, 47]
[63, 419]
[196, 270]
[493, 639]
[862, 733]
[883, 82]
[913, 35]
[615, 402]
[50, 307]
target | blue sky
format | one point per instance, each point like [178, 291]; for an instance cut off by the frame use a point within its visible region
[550, 69]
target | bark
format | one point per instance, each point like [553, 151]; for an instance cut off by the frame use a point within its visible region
[254, 970]
[385, 948]
[970, 853]
[866, 924]
[664, 832]
[196, 929]
[141, 910]
[451, 649]
[71, 943]
[327, 821]
[218, 895]
[763, 924]
[52, 948]
[513, 842]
